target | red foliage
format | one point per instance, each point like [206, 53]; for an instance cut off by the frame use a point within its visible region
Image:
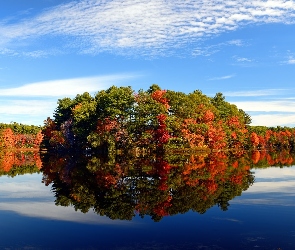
[8, 138]
[194, 138]
[106, 125]
[234, 135]
[236, 164]
[38, 139]
[216, 137]
[161, 133]
[161, 209]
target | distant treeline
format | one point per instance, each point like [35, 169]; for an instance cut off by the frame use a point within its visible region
[120, 119]
[18, 128]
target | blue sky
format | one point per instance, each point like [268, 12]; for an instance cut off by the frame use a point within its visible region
[52, 49]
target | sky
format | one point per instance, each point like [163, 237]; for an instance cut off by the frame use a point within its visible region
[52, 49]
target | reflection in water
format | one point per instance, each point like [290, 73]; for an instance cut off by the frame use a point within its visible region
[122, 186]
[19, 162]
[157, 186]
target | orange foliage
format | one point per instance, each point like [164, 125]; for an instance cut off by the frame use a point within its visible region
[255, 156]
[254, 139]
[158, 96]
[11, 140]
[208, 116]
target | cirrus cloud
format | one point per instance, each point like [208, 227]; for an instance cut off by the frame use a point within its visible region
[150, 27]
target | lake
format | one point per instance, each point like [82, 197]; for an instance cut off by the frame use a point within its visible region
[219, 202]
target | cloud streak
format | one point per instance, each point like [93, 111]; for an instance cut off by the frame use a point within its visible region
[259, 92]
[48, 210]
[221, 78]
[273, 120]
[267, 106]
[65, 87]
[147, 26]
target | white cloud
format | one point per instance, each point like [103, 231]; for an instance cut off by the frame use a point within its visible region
[267, 106]
[32, 112]
[66, 87]
[48, 210]
[273, 120]
[221, 78]
[237, 42]
[26, 186]
[269, 113]
[273, 186]
[275, 173]
[149, 26]
[215, 48]
[26, 107]
[259, 92]
[243, 59]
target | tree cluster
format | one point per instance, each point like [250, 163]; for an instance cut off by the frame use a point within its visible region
[119, 119]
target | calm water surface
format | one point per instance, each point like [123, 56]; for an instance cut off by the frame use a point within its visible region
[261, 218]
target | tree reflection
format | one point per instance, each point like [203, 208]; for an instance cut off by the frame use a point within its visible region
[122, 186]
[17, 162]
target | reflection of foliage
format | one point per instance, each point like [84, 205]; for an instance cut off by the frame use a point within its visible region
[156, 186]
[14, 163]
[263, 159]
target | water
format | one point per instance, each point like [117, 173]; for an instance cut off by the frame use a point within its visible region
[262, 217]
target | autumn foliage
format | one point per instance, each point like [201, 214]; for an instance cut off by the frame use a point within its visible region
[11, 140]
[120, 119]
